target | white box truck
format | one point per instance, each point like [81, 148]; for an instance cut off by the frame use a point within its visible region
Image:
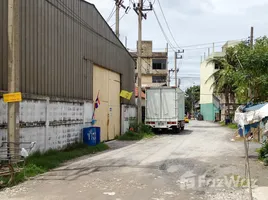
[165, 108]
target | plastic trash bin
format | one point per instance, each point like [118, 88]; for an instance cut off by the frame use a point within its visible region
[91, 135]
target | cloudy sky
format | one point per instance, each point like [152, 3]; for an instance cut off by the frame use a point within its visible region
[195, 25]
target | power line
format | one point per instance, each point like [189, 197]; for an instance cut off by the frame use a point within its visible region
[80, 21]
[211, 43]
[168, 41]
[197, 45]
[167, 24]
[111, 14]
[119, 19]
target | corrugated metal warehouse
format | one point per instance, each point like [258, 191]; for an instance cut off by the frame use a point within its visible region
[63, 43]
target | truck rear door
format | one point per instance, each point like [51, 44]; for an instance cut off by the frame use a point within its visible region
[168, 101]
[153, 104]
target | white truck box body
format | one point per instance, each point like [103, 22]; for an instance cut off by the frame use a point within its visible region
[165, 107]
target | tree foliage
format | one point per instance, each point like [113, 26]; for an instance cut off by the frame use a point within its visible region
[243, 72]
[192, 96]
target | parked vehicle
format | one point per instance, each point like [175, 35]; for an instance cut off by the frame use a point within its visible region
[165, 108]
[186, 119]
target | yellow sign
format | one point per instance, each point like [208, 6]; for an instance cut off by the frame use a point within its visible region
[125, 94]
[12, 97]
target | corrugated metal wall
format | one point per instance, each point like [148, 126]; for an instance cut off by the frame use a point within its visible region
[3, 45]
[58, 48]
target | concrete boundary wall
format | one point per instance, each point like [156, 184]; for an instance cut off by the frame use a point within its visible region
[128, 116]
[51, 124]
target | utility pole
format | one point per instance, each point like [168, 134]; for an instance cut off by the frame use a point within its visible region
[245, 140]
[139, 10]
[176, 74]
[176, 68]
[139, 60]
[126, 41]
[251, 37]
[169, 76]
[13, 72]
[118, 4]
[213, 47]
[167, 48]
[117, 18]
[250, 95]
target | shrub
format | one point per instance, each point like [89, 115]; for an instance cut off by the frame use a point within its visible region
[137, 132]
[263, 152]
[265, 160]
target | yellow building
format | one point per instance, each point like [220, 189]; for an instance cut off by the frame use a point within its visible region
[211, 104]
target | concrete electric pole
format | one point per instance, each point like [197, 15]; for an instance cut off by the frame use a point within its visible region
[13, 71]
[119, 4]
[251, 37]
[117, 18]
[139, 10]
[169, 76]
[247, 167]
[139, 60]
[176, 68]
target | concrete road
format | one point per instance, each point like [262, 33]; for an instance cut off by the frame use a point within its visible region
[189, 165]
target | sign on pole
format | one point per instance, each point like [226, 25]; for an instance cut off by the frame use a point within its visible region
[12, 97]
[125, 94]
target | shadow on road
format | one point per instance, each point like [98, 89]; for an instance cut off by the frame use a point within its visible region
[116, 144]
[184, 132]
[206, 126]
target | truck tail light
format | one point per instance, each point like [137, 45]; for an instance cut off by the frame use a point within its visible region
[150, 122]
[171, 123]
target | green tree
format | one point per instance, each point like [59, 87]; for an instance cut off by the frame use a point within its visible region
[252, 77]
[192, 96]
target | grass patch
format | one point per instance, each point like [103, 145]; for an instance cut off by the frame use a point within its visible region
[137, 132]
[39, 163]
[240, 181]
[131, 135]
[231, 125]
[222, 123]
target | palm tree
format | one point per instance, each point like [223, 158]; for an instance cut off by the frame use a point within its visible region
[223, 78]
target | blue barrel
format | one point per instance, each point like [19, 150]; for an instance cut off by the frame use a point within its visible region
[91, 135]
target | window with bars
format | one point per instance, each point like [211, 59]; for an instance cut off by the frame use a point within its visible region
[159, 79]
[159, 64]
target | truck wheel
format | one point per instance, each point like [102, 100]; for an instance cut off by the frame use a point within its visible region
[182, 128]
[175, 130]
